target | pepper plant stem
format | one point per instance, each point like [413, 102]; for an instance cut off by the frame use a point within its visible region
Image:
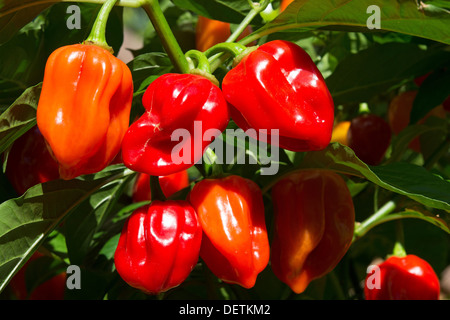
[166, 35]
[155, 189]
[98, 32]
[372, 221]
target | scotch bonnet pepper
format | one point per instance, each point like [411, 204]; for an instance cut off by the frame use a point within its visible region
[314, 224]
[84, 107]
[278, 86]
[159, 246]
[235, 245]
[402, 278]
[170, 136]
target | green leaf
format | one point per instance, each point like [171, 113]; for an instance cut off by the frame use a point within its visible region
[19, 117]
[361, 76]
[432, 92]
[14, 14]
[147, 67]
[25, 222]
[232, 11]
[351, 15]
[88, 218]
[412, 214]
[405, 179]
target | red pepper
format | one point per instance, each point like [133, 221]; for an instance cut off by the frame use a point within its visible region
[369, 136]
[235, 245]
[84, 107]
[314, 223]
[30, 162]
[169, 185]
[159, 246]
[174, 101]
[51, 289]
[277, 86]
[402, 278]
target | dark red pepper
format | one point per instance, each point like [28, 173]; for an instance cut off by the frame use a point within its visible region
[402, 278]
[369, 136]
[188, 103]
[30, 162]
[278, 86]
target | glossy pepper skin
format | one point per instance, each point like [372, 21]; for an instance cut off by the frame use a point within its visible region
[159, 246]
[84, 107]
[184, 104]
[403, 278]
[278, 86]
[369, 136]
[314, 223]
[29, 162]
[235, 244]
[169, 185]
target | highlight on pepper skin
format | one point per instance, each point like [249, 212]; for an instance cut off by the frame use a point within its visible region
[224, 150]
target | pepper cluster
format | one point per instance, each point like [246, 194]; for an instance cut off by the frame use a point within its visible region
[219, 220]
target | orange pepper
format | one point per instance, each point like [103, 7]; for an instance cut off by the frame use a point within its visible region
[84, 107]
[284, 4]
[235, 244]
[210, 32]
[340, 131]
[314, 224]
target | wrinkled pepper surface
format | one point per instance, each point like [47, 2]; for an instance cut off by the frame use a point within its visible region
[159, 246]
[278, 87]
[235, 244]
[314, 223]
[170, 136]
[84, 107]
[402, 278]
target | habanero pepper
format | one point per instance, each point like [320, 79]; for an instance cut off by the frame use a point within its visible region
[278, 87]
[159, 246]
[235, 244]
[84, 107]
[30, 162]
[185, 104]
[314, 224]
[402, 278]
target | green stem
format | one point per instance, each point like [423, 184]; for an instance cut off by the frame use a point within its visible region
[155, 189]
[98, 32]
[256, 8]
[373, 220]
[166, 35]
[216, 168]
[399, 249]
